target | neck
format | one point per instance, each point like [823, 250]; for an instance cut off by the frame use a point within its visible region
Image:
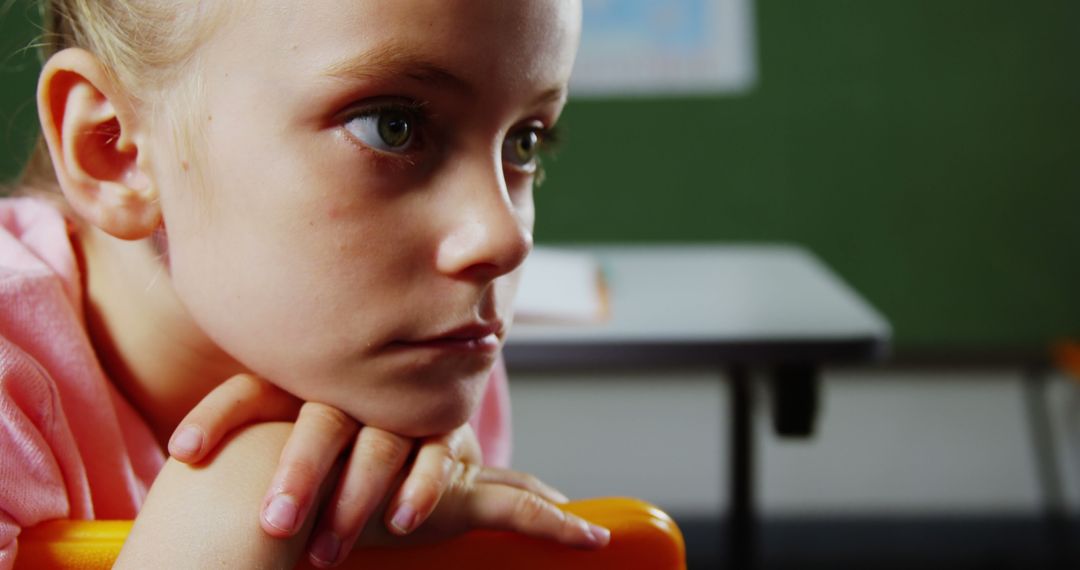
[149, 346]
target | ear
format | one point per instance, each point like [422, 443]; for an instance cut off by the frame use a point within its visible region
[91, 129]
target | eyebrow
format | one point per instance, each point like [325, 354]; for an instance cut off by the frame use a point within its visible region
[391, 60]
[551, 95]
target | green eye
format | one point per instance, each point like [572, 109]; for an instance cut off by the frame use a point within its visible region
[520, 149]
[394, 129]
[389, 130]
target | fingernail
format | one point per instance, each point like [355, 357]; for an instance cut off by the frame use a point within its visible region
[599, 534]
[404, 519]
[187, 442]
[281, 512]
[326, 549]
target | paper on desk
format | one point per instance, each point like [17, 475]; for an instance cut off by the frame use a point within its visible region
[561, 285]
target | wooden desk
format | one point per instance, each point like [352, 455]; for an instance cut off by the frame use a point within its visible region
[770, 308]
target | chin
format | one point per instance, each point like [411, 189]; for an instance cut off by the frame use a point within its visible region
[421, 408]
[421, 420]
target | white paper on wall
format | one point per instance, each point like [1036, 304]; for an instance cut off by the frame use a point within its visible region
[665, 47]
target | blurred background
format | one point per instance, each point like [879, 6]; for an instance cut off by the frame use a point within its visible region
[929, 152]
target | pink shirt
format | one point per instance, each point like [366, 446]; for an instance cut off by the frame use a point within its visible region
[70, 445]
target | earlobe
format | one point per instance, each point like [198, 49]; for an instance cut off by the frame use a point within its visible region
[91, 132]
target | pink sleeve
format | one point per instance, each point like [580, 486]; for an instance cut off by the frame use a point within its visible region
[33, 432]
[491, 422]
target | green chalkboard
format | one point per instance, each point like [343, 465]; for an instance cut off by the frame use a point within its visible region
[928, 150]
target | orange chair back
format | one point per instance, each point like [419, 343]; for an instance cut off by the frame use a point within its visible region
[642, 537]
[1067, 358]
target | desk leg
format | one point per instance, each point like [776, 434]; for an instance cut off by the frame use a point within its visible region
[742, 529]
[795, 394]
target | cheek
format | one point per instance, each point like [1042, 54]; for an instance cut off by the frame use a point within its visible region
[240, 302]
[279, 293]
[300, 292]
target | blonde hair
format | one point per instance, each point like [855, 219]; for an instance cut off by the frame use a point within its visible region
[142, 44]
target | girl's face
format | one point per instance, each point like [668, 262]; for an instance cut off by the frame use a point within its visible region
[351, 224]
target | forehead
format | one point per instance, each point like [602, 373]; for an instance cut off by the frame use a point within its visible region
[483, 41]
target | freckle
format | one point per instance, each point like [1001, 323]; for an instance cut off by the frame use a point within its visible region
[209, 118]
[184, 164]
[334, 213]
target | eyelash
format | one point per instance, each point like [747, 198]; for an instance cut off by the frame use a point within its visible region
[550, 138]
[414, 110]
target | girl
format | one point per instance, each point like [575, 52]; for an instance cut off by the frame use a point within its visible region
[331, 195]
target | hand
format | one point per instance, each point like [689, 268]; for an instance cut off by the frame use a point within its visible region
[480, 497]
[200, 517]
[469, 496]
[320, 435]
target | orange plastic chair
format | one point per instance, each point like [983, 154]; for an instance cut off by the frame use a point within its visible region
[1067, 358]
[642, 536]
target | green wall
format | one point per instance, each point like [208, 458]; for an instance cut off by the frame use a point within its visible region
[929, 150]
[18, 73]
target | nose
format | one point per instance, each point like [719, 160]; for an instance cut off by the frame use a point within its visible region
[487, 235]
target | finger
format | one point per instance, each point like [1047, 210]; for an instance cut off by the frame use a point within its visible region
[318, 437]
[238, 401]
[467, 445]
[370, 472]
[501, 507]
[524, 481]
[427, 480]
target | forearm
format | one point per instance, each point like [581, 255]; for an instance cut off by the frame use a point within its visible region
[206, 516]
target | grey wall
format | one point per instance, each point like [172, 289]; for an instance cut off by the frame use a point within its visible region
[889, 442]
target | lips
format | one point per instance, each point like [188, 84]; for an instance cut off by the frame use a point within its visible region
[472, 337]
